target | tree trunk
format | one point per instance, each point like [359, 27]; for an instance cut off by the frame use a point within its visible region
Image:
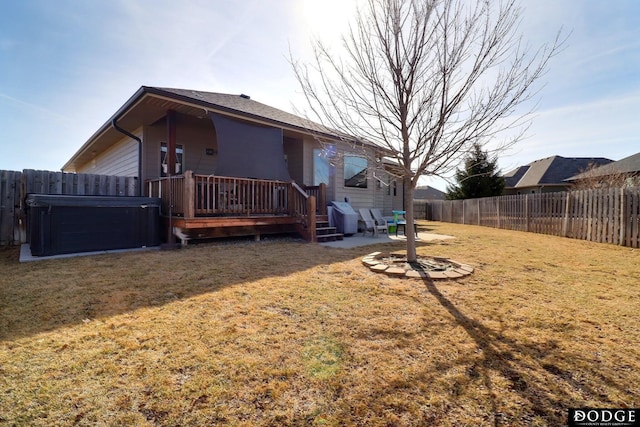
[424, 80]
[409, 226]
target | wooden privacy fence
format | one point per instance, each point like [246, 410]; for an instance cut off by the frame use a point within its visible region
[14, 187]
[603, 215]
[10, 207]
[421, 209]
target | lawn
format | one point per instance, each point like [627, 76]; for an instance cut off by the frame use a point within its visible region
[290, 333]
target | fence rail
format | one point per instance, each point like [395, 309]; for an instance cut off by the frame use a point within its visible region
[602, 215]
[14, 187]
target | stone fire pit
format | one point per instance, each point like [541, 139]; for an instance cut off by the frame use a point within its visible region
[396, 265]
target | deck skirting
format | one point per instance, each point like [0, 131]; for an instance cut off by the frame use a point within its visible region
[218, 227]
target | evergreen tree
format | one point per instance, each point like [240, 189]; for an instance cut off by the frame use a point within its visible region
[479, 178]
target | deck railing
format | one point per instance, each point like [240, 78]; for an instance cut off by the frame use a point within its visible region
[171, 192]
[219, 195]
[303, 206]
[320, 193]
[194, 196]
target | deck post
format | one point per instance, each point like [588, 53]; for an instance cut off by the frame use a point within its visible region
[322, 199]
[290, 197]
[189, 199]
[171, 142]
[311, 218]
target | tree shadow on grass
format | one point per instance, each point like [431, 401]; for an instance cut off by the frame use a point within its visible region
[543, 387]
[46, 295]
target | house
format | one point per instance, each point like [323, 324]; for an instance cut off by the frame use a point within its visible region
[548, 174]
[228, 165]
[427, 193]
[623, 171]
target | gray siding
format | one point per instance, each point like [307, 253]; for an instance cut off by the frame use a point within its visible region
[374, 196]
[397, 200]
[120, 159]
[358, 197]
[195, 135]
[309, 145]
[151, 150]
[294, 150]
[384, 194]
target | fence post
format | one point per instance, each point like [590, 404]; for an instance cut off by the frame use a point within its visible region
[526, 213]
[10, 208]
[567, 208]
[464, 202]
[623, 216]
[498, 209]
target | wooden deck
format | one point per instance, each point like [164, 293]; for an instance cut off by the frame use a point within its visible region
[204, 207]
[211, 228]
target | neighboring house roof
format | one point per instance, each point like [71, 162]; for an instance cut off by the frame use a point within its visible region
[630, 165]
[512, 178]
[428, 193]
[357, 180]
[150, 104]
[550, 171]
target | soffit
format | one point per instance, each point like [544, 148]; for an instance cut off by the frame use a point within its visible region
[146, 111]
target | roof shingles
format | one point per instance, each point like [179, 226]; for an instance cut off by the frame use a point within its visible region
[628, 165]
[246, 106]
[550, 171]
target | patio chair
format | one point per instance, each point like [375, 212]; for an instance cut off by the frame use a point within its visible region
[380, 220]
[369, 222]
[399, 220]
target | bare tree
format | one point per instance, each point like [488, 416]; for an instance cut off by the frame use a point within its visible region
[591, 178]
[425, 80]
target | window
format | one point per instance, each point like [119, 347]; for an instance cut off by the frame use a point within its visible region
[322, 167]
[164, 161]
[355, 171]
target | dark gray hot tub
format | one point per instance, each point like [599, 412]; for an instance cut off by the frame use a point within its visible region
[59, 224]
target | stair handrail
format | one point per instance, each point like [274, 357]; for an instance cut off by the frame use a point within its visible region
[320, 193]
[306, 211]
[300, 190]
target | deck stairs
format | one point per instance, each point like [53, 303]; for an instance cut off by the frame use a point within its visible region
[325, 233]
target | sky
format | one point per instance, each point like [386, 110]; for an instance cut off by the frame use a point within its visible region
[66, 66]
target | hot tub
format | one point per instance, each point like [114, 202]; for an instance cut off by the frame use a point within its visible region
[60, 224]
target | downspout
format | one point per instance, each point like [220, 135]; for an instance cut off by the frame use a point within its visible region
[130, 135]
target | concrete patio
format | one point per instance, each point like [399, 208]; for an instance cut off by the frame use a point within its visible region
[358, 239]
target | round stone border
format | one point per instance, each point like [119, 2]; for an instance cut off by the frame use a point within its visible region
[373, 261]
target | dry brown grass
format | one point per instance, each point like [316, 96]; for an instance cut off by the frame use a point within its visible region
[283, 333]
